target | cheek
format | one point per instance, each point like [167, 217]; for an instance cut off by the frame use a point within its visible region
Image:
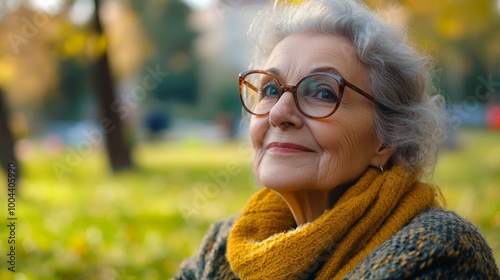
[345, 139]
[351, 140]
[346, 146]
[258, 129]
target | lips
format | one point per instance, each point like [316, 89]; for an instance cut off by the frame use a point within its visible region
[285, 147]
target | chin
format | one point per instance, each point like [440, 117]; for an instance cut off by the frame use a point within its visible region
[284, 181]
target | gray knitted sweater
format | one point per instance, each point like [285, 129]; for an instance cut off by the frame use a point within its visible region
[437, 244]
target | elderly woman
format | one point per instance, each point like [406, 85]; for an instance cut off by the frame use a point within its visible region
[344, 130]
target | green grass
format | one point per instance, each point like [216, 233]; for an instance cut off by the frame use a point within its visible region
[469, 178]
[90, 224]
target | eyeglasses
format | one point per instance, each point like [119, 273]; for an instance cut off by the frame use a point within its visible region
[317, 95]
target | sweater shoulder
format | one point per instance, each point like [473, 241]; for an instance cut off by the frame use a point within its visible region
[210, 261]
[435, 244]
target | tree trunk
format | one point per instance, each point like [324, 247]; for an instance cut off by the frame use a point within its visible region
[7, 155]
[116, 146]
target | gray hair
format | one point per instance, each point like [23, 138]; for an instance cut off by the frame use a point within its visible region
[399, 76]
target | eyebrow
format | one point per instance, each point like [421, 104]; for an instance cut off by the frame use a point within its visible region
[273, 71]
[328, 69]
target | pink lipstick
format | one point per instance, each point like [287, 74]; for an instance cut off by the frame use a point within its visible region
[284, 147]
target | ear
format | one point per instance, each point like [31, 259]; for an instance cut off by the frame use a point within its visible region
[381, 156]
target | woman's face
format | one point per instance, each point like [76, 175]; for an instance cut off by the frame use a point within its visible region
[294, 152]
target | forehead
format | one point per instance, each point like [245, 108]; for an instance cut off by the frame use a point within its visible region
[299, 54]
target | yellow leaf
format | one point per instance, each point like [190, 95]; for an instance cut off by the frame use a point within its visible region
[74, 44]
[78, 244]
[288, 2]
[451, 28]
[7, 70]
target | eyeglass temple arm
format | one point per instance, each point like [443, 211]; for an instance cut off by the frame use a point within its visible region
[360, 91]
[250, 86]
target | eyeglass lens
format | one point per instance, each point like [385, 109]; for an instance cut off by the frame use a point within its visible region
[316, 95]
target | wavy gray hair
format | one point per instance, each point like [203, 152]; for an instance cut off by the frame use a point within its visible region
[399, 76]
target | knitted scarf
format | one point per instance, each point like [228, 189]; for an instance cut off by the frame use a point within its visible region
[265, 242]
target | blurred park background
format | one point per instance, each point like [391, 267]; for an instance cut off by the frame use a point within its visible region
[124, 122]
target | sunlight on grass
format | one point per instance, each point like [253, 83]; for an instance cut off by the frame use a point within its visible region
[90, 224]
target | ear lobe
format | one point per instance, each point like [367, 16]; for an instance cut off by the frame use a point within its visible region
[381, 156]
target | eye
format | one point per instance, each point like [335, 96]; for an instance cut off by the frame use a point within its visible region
[319, 91]
[269, 90]
[325, 93]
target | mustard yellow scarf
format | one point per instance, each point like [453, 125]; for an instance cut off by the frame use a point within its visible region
[265, 242]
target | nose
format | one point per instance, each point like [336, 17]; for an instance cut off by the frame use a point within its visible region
[285, 113]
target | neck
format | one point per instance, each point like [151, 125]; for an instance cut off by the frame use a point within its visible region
[307, 205]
